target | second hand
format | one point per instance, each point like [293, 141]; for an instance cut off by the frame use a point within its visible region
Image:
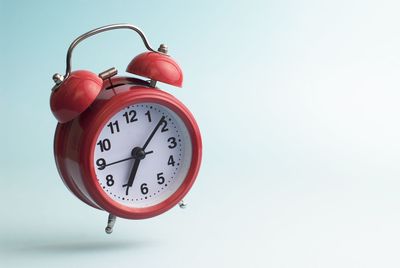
[125, 159]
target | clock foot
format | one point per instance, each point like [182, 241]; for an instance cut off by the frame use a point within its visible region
[182, 204]
[110, 223]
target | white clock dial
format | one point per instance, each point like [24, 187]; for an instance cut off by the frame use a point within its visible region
[142, 155]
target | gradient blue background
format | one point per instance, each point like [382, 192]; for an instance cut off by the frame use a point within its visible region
[298, 103]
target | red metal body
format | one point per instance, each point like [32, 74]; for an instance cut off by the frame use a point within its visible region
[75, 140]
[157, 66]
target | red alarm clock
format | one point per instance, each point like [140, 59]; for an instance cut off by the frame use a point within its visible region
[123, 145]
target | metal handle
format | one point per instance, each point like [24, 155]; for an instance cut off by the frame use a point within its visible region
[100, 30]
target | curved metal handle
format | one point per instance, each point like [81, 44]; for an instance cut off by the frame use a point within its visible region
[100, 30]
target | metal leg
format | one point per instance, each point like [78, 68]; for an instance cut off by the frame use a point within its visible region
[110, 223]
[182, 204]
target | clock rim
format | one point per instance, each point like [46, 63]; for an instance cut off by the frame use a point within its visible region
[135, 95]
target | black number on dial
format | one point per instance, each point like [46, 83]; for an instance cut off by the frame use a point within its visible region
[130, 117]
[148, 115]
[160, 178]
[144, 189]
[101, 163]
[113, 126]
[164, 128]
[110, 180]
[171, 161]
[172, 140]
[105, 145]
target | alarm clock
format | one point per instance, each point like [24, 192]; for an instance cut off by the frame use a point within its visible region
[121, 144]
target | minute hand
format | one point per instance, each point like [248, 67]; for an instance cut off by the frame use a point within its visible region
[152, 133]
[132, 175]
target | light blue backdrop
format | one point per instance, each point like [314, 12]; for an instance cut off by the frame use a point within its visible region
[298, 103]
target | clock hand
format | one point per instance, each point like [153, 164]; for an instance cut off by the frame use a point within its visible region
[154, 132]
[138, 154]
[125, 159]
[132, 175]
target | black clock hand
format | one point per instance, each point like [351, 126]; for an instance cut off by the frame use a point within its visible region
[125, 159]
[132, 175]
[138, 154]
[154, 132]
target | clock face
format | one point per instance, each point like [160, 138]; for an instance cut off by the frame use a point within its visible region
[142, 155]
